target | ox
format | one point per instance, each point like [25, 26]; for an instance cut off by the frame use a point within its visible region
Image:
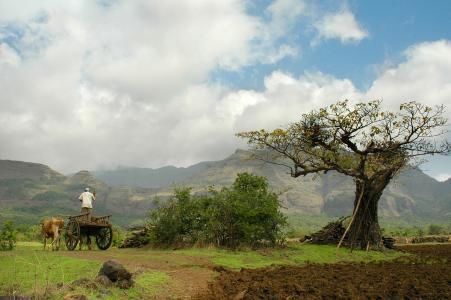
[51, 228]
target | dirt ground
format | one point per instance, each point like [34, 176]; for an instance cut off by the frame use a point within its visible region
[426, 275]
[190, 275]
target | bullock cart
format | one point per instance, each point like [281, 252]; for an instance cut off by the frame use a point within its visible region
[80, 225]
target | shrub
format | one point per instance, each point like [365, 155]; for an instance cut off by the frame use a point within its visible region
[118, 236]
[7, 236]
[246, 213]
[435, 229]
[28, 233]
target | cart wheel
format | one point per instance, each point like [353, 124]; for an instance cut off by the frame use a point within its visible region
[72, 235]
[104, 238]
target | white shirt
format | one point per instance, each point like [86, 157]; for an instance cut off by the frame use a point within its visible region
[86, 199]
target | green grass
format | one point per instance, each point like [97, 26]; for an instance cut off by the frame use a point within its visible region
[147, 285]
[28, 269]
[293, 254]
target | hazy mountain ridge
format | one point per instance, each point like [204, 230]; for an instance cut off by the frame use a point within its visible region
[411, 193]
[11, 169]
[148, 177]
[27, 198]
[34, 190]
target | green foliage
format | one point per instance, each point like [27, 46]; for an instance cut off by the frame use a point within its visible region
[29, 233]
[418, 230]
[16, 188]
[435, 229]
[50, 196]
[118, 236]
[245, 214]
[7, 236]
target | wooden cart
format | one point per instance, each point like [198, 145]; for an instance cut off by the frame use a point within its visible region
[78, 226]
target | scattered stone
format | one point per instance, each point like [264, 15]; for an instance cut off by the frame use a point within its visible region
[75, 297]
[85, 282]
[240, 295]
[104, 292]
[104, 280]
[116, 273]
[125, 284]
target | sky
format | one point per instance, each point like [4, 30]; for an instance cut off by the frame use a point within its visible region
[107, 83]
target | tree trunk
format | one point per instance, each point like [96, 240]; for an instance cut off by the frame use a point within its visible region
[365, 231]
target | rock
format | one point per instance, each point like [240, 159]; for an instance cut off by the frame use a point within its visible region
[124, 284]
[240, 295]
[116, 273]
[104, 293]
[104, 280]
[75, 297]
[85, 282]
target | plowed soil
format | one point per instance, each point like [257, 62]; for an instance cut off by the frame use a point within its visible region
[424, 275]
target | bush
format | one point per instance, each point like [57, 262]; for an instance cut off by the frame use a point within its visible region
[7, 236]
[118, 236]
[435, 229]
[28, 233]
[247, 214]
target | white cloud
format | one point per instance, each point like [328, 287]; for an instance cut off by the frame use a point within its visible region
[341, 25]
[443, 177]
[127, 84]
[284, 14]
[424, 76]
[8, 56]
[102, 85]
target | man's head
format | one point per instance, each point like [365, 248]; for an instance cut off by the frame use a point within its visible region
[87, 189]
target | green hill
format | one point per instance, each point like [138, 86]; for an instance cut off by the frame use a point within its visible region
[31, 191]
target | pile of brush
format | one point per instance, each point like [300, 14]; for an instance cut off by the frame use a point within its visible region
[333, 231]
[329, 234]
[137, 237]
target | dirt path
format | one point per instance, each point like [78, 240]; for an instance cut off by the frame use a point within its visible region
[427, 276]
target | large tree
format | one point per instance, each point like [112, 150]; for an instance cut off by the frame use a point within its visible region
[362, 141]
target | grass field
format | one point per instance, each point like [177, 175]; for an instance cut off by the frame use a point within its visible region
[29, 270]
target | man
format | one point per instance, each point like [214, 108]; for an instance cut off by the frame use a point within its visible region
[86, 199]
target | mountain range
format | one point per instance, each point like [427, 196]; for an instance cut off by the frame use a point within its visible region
[29, 191]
